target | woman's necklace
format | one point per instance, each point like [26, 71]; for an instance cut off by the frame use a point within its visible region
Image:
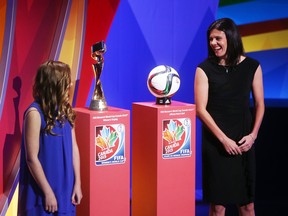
[226, 68]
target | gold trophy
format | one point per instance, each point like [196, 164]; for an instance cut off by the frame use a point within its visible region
[98, 101]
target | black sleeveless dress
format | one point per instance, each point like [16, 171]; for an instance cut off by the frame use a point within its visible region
[228, 179]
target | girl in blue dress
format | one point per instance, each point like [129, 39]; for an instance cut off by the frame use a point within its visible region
[49, 182]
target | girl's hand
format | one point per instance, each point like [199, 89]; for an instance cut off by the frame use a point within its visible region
[51, 205]
[76, 195]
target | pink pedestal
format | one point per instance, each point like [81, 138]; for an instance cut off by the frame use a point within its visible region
[163, 159]
[104, 144]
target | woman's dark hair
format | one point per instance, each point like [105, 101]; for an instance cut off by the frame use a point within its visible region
[51, 91]
[234, 42]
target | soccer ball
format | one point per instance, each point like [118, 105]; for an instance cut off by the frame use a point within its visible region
[163, 81]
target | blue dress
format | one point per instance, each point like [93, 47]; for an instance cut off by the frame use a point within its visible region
[55, 155]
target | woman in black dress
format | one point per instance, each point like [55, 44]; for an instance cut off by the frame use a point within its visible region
[223, 85]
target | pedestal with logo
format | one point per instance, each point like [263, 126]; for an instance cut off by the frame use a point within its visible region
[163, 159]
[103, 139]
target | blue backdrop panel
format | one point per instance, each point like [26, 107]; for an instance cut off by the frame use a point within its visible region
[275, 72]
[148, 33]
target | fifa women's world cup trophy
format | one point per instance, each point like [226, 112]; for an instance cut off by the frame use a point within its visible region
[98, 101]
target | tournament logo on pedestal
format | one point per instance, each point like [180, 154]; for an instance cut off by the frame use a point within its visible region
[176, 138]
[110, 144]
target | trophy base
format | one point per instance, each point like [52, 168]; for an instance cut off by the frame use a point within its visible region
[98, 105]
[163, 101]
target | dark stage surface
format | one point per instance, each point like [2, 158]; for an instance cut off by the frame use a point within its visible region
[262, 208]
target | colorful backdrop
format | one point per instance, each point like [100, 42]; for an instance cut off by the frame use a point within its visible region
[139, 36]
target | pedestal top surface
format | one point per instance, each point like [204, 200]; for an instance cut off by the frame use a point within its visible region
[110, 109]
[159, 106]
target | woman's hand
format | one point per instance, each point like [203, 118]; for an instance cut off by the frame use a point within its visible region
[246, 143]
[231, 147]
